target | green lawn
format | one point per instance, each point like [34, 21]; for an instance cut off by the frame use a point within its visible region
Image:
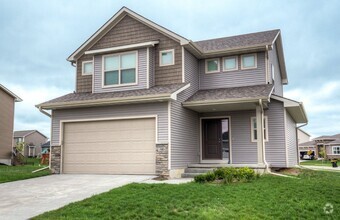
[317, 163]
[13, 173]
[270, 197]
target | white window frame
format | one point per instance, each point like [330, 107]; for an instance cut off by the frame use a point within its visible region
[166, 51]
[333, 150]
[218, 65]
[247, 68]
[252, 129]
[236, 63]
[83, 68]
[119, 71]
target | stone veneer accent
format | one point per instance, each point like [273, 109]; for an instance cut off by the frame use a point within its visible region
[162, 160]
[55, 159]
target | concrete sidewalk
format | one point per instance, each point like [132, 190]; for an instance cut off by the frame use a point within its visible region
[322, 168]
[27, 198]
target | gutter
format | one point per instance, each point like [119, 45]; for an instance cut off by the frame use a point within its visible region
[221, 101]
[44, 112]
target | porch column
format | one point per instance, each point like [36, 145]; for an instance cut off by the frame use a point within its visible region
[260, 137]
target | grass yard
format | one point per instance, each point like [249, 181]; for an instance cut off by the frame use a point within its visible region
[14, 173]
[326, 163]
[270, 197]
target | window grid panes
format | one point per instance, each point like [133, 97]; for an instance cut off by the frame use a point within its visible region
[120, 69]
[230, 63]
[336, 150]
[167, 58]
[212, 65]
[254, 128]
[248, 61]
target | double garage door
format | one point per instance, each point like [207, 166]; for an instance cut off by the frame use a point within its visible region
[110, 147]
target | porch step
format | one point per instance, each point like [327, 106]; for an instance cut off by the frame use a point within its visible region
[192, 172]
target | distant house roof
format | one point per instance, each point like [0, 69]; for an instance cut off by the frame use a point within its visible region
[307, 144]
[16, 98]
[239, 41]
[156, 93]
[304, 132]
[26, 133]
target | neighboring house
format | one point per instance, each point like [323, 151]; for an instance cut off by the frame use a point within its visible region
[33, 140]
[303, 136]
[7, 103]
[149, 101]
[330, 145]
[305, 145]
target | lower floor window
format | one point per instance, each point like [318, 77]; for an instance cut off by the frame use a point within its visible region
[254, 132]
[336, 150]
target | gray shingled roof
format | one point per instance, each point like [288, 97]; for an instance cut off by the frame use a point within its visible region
[308, 143]
[22, 133]
[76, 97]
[239, 41]
[246, 92]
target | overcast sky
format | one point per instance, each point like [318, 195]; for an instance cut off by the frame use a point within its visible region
[36, 37]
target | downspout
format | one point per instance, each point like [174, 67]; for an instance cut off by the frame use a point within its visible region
[264, 148]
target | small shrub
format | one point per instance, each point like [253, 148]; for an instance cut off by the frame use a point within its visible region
[200, 178]
[210, 176]
[246, 174]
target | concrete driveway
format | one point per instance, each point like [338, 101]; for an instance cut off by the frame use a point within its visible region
[27, 198]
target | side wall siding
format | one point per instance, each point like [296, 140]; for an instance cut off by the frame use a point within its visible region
[234, 78]
[159, 109]
[141, 69]
[83, 83]
[185, 122]
[6, 122]
[273, 59]
[291, 140]
[276, 146]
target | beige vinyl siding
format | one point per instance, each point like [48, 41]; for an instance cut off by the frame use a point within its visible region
[273, 59]
[141, 68]
[249, 77]
[6, 124]
[185, 122]
[276, 146]
[110, 147]
[291, 140]
[159, 109]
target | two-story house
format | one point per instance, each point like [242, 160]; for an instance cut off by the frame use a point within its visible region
[33, 140]
[7, 106]
[149, 101]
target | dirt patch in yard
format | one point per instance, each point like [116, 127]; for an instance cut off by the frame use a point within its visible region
[288, 171]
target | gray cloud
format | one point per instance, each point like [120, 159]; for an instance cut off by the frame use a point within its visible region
[37, 36]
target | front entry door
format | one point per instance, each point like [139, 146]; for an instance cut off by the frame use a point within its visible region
[212, 139]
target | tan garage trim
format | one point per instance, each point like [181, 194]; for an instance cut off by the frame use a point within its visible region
[123, 158]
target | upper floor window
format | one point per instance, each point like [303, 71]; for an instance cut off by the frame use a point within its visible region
[120, 69]
[212, 65]
[167, 57]
[273, 72]
[254, 133]
[336, 150]
[87, 68]
[230, 63]
[248, 61]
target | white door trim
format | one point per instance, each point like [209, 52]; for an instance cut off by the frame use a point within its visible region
[230, 142]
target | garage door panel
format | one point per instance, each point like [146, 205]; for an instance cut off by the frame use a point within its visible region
[112, 147]
[109, 136]
[111, 168]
